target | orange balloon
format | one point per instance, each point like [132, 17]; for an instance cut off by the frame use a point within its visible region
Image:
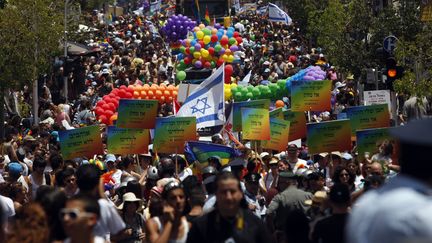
[161, 99]
[169, 99]
[158, 94]
[166, 93]
[139, 88]
[170, 87]
[279, 104]
[162, 86]
[112, 119]
[146, 87]
[174, 94]
[150, 93]
[143, 93]
[136, 94]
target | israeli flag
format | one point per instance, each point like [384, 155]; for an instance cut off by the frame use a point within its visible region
[262, 10]
[278, 15]
[206, 102]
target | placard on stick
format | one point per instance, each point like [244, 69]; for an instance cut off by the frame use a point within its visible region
[367, 117]
[279, 131]
[311, 95]
[255, 124]
[329, 136]
[80, 142]
[171, 133]
[137, 113]
[237, 115]
[127, 140]
[297, 124]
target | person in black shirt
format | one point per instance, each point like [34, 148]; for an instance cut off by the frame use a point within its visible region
[231, 221]
[332, 228]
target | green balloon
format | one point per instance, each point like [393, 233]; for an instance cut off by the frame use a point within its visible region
[261, 87]
[238, 96]
[206, 31]
[281, 83]
[218, 48]
[234, 89]
[181, 75]
[250, 88]
[273, 87]
[192, 50]
[256, 93]
[213, 64]
[232, 41]
[249, 95]
[182, 49]
[244, 90]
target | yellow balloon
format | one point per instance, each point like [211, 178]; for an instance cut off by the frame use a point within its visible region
[225, 57]
[204, 53]
[228, 52]
[227, 94]
[197, 55]
[200, 34]
[206, 39]
[233, 85]
[230, 58]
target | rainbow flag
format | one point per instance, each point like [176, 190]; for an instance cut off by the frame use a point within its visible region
[201, 151]
[207, 16]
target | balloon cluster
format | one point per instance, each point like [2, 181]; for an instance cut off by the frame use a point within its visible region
[209, 47]
[177, 27]
[106, 109]
[273, 91]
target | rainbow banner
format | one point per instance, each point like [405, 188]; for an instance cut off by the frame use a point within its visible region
[279, 132]
[137, 113]
[278, 113]
[297, 124]
[369, 141]
[311, 95]
[366, 117]
[237, 115]
[255, 124]
[329, 136]
[81, 142]
[127, 140]
[171, 133]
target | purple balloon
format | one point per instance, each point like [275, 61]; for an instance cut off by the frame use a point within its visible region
[222, 51]
[217, 26]
[198, 64]
[234, 48]
[197, 47]
[308, 78]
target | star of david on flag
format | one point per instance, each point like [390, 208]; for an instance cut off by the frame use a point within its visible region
[206, 102]
[278, 15]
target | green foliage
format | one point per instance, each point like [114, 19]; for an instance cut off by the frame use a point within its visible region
[30, 31]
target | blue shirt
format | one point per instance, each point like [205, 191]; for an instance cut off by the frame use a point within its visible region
[400, 211]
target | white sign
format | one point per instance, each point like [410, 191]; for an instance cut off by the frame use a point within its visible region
[377, 97]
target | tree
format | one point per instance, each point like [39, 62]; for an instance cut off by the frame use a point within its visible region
[30, 31]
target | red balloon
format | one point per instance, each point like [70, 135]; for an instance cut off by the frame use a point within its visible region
[129, 95]
[187, 60]
[99, 111]
[211, 51]
[236, 34]
[130, 90]
[109, 113]
[228, 70]
[112, 95]
[201, 43]
[103, 119]
[112, 106]
[115, 91]
[214, 38]
[239, 40]
[224, 40]
[122, 93]
[207, 65]
[106, 107]
[227, 79]
[187, 51]
[123, 87]
[219, 62]
[100, 103]
[115, 102]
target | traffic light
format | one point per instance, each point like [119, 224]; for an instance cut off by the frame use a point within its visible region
[392, 72]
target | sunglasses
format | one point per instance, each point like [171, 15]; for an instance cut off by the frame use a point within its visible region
[73, 213]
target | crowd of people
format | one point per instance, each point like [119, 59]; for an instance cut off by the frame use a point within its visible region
[291, 196]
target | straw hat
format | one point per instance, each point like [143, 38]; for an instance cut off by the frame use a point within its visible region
[318, 198]
[129, 197]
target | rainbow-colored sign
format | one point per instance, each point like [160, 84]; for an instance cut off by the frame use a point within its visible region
[171, 133]
[311, 95]
[81, 142]
[366, 117]
[127, 140]
[278, 113]
[297, 124]
[137, 113]
[237, 115]
[329, 136]
[369, 140]
[255, 124]
[279, 131]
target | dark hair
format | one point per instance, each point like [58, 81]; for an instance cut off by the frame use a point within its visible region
[87, 177]
[52, 201]
[156, 207]
[39, 162]
[56, 161]
[91, 205]
[197, 197]
[338, 172]
[166, 167]
[14, 189]
[340, 194]
[135, 187]
[61, 175]
[297, 226]
[170, 186]
[126, 161]
[226, 175]
[387, 147]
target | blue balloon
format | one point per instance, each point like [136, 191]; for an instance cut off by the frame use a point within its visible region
[230, 34]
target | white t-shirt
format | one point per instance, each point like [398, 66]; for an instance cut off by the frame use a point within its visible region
[96, 239]
[7, 207]
[109, 222]
[298, 164]
[116, 176]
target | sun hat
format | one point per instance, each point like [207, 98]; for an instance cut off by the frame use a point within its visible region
[129, 197]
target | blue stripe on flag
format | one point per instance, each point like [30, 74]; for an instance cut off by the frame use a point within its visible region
[212, 117]
[205, 89]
